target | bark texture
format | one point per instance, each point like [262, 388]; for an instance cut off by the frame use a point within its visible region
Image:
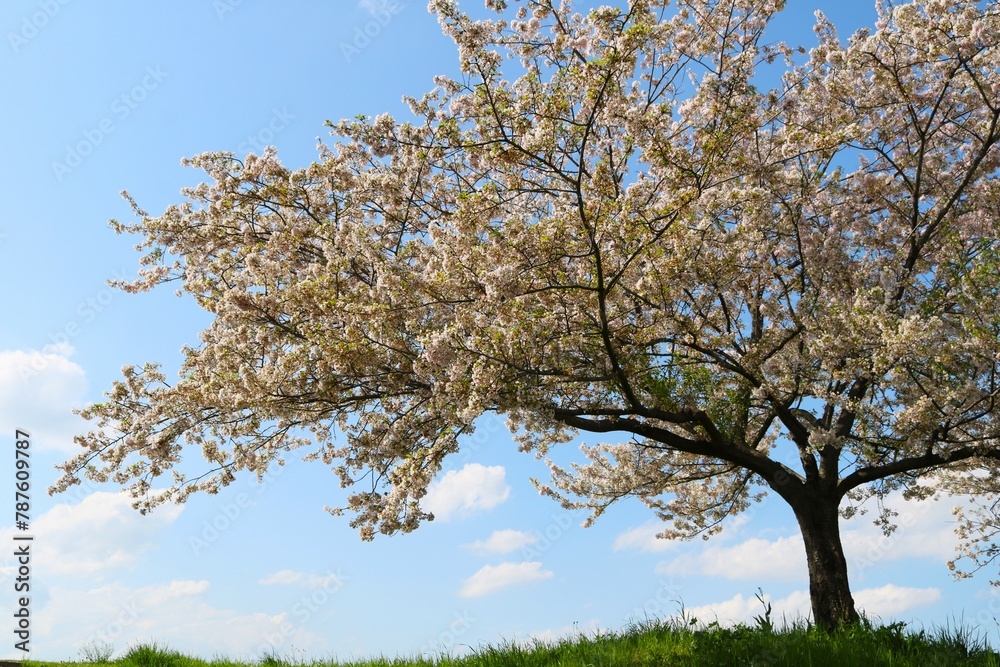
[829, 588]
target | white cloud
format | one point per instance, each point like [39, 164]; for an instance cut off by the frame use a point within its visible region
[38, 391]
[174, 614]
[755, 559]
[100, 535]
[588, 629]
[739, 609]
[175, 590]
[892, 600]
[103, 534]
[492, 578]
[474, 487]
[644, 538]
[303, 579]
[925, 530]
[885, 601]
[501, 542]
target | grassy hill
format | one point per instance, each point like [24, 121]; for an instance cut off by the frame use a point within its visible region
[677, 642]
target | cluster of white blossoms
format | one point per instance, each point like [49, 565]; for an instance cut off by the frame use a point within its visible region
[630, 237]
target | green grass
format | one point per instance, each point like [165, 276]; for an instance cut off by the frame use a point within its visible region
[678, 642]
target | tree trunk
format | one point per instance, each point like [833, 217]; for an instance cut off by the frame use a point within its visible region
[829, 590]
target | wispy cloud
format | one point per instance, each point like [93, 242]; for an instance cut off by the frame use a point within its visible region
[643, 538]
[755, 559]
[892, 600]
[739, 609]
[884, 602]
[493, 578]
[373, 6]
[501, 542]
[38, 391]
[98, 536]
[302, 579]
[589, 629]
[175, 612]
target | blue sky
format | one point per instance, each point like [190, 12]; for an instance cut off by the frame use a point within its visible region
[101, 97]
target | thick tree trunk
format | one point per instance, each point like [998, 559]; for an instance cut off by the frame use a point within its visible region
[829, 590]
